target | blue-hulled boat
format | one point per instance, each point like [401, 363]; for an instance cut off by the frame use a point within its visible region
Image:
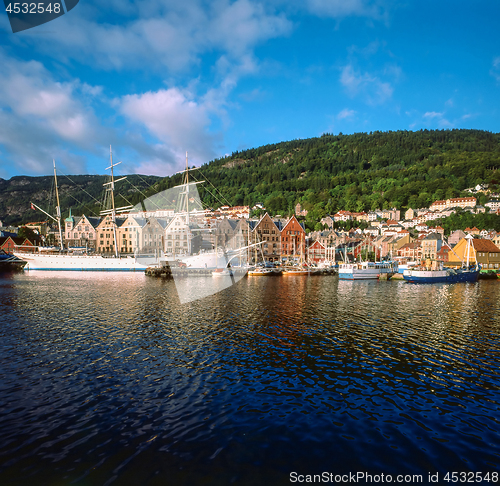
[439, 274]
[435, 272]
[10, 263]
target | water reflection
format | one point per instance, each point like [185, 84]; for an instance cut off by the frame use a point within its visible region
[107, 378]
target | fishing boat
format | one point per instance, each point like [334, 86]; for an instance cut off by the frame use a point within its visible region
[366, 270]
[10, 263]
[64, 259]
[435, 272]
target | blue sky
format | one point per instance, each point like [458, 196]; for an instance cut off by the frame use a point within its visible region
[157, 78]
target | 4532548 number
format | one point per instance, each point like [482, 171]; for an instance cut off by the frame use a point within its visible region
[33, 8]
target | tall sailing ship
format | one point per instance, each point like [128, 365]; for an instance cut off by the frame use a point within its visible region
[43, 258]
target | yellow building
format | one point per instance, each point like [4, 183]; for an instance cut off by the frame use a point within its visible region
[484, 251]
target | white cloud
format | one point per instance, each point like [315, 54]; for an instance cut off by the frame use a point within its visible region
[346, 114]
[433, 114]
[495, 70]
[162, 34]
[431, 119]
[176, 119]
[41, 117]
[371, 87]
[343, 8]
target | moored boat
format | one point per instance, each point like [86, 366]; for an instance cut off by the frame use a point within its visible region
[436, 272]
[290, 272]
[10, 263]
[261, 272]
[439, 274]
[366, 270]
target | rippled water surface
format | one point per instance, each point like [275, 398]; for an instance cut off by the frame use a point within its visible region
[107, 379]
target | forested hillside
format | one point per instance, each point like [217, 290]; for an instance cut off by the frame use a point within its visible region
[356, 172]
[81, 193]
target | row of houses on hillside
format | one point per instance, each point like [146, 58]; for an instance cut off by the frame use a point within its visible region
[412, 217]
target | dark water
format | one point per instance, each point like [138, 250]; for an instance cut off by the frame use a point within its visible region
[107, 379]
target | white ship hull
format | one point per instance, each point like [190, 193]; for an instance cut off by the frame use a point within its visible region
[92, 263]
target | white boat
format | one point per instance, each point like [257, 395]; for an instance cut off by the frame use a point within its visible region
[94, 263]
[366, 270]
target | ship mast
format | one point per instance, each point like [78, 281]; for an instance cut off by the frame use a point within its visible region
[113, 209]
[58, 208]
[185, 193]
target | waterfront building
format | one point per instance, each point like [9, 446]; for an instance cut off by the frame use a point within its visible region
[411, 251]
[269, 232]
[81, 231]
[181, 238]
[105, 240]
[316, 252]
[431, 245]
[150, 236]
[485, 252]
[293, 239]
[9, 243]
[442, 254]
[130, 233]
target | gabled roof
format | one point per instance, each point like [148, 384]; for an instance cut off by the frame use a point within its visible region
[485, 245]
[433, 236]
